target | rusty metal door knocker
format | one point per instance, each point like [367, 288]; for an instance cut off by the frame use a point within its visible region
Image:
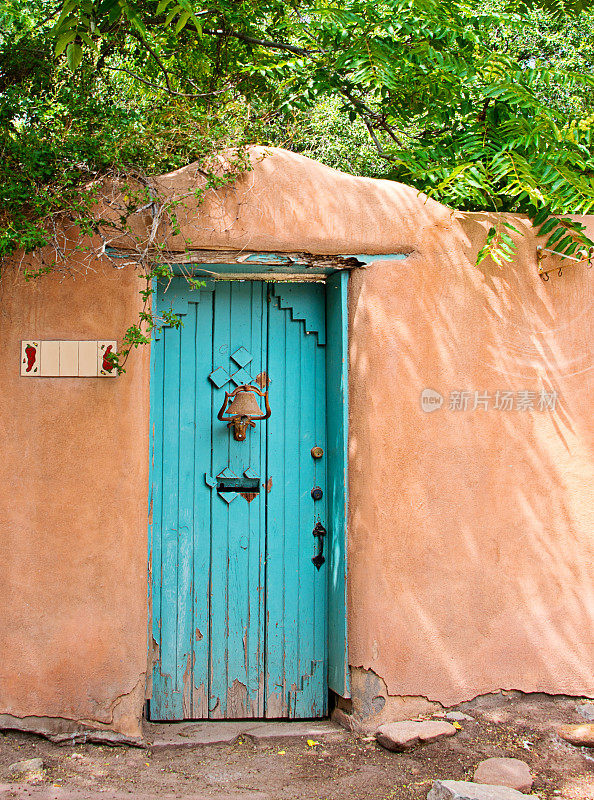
[242, 409]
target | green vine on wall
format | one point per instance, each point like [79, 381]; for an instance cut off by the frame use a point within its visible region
[113, 210]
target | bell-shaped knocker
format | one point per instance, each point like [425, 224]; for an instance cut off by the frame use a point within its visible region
[240, 408]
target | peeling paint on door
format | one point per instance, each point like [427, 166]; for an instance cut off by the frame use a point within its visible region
[225, 547]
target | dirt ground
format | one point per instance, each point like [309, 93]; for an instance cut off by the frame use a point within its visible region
[342, 767]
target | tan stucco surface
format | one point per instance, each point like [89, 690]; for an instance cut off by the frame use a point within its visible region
[470, 532]
[73, 494]
[287, 202]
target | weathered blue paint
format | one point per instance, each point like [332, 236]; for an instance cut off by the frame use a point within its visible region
[268, 258]
[296, 642]
[267, 268]
[367, 259]
[174, 441]
[337, 393]
[240, 624]
[306, 302]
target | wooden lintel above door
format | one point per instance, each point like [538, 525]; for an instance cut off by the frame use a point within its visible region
[248, 262]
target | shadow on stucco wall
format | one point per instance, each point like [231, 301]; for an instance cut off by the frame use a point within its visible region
[470, 530]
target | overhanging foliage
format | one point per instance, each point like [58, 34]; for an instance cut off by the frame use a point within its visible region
[481, 105]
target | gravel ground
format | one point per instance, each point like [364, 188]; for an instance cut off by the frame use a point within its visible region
[342, 767]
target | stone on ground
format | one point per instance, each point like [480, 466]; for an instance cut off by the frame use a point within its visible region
[31, 769]
[399, 736]
[580, 735]
[459, 716]
[163, 736]
[510, 772]
[343, 719]
[465, 790]
[586, 710]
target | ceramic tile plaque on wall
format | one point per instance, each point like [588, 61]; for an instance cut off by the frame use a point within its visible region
[67, 359]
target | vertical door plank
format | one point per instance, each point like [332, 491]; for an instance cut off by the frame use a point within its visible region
[219, 591]
[155, 517]
[313, 699]
[276, 701]
[295, 512]
[338, 414]
[256, 462]
[185, 616]
[171, 695]
[201, 503]
[304, 704]
[238, 542]
[296, 599]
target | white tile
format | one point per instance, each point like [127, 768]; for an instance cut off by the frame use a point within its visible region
[103, 348]
[50, 359]
[30, 359]
[87, 359]
[68, 359]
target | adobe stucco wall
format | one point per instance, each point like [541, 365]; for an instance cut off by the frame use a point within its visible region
[73, 500]
[471, 562]
[471, 532]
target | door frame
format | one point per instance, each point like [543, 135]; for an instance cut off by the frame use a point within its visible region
[272, 267]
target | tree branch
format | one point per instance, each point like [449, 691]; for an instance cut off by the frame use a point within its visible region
[483, 113]
[163, 88]
[368, 116]
[144, 43]
[289, 48]
[103, 55]
[377, 142]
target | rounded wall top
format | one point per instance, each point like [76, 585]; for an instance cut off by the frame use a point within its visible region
[290, 203]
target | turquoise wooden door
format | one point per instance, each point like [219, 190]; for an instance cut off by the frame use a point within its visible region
[239, 609]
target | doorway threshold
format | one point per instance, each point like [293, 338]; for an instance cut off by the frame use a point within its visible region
[161, 735]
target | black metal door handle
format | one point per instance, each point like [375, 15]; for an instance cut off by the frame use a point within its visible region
[320, 532]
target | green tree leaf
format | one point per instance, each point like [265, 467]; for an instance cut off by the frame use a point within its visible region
[74, 55]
